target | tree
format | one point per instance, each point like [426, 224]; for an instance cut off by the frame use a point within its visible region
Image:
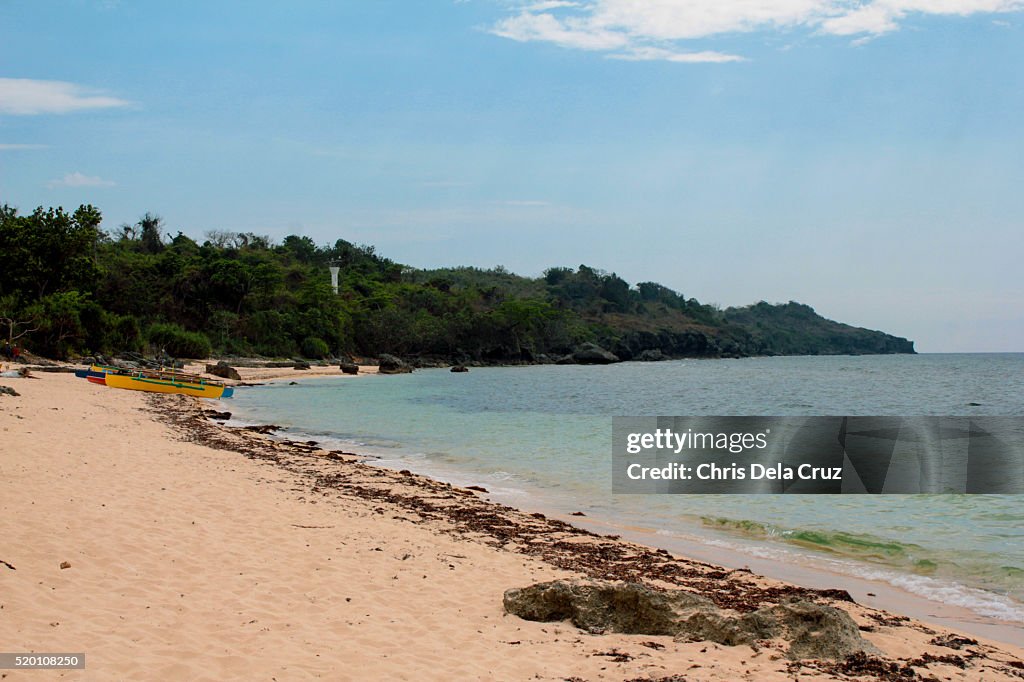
[555, 276]
[302, 249]
[48, 251]
[60, 329]
[232, 280]
[127, 233]
[16, 324]
[616, 291]
[150, 235]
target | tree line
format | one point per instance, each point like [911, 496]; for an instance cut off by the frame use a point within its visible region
[67, 287]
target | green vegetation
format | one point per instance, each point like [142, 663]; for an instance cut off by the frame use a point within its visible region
[177, 342]
[68, 287]
[795, 329]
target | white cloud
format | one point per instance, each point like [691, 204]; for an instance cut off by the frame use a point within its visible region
[15, 147]
[24, 96]
[568, 32]
[77, 179]
[863, 40]
[548, 4]
[653, 29]
[641, 54]
[872, 19]
[882, 16]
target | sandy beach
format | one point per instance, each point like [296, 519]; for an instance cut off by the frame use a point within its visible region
[197, 551]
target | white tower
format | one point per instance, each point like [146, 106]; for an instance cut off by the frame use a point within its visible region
[334, 277]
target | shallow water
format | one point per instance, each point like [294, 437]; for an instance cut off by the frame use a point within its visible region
[541, 436]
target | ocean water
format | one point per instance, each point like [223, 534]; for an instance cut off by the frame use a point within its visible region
[540, 437]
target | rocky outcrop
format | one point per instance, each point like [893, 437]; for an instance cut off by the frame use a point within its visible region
[691, 344]
[349, 368]
[600, 606]
[223, 370]
[812, 630]
[796, 329]
[389, 364]
[459, 368]
[592, 354]
[428, 363]
[49, 369]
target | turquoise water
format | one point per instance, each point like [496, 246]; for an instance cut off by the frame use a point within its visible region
[541, 436]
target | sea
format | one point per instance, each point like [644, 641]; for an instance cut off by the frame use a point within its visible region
[539, 438]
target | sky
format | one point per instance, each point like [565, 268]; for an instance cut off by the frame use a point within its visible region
[865, 157]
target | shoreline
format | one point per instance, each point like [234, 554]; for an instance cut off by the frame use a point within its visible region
[147, 498]
[873, 591]
[735, 553]
[252, 375]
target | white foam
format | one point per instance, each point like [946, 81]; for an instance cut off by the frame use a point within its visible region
[938, 590]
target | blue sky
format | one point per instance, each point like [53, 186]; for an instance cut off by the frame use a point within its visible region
[866, 158]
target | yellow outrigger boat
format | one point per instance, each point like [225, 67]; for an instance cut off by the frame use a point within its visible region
[167, 382]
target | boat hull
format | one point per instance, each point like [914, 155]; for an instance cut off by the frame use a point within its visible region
[142, 383]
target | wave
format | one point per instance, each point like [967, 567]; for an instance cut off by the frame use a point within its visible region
[983, 602]
[946, 573]
[853, 545]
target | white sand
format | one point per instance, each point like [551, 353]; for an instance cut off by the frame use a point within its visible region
[194, 563]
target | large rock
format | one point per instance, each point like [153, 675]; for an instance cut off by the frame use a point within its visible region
[349, 368]
[428, 363]
[223, 370]
[592, 354]
[389, 364]
[598, 606]
[812, 630]
[651, 355]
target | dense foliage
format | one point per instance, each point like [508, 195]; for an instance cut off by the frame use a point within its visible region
[68, 287]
